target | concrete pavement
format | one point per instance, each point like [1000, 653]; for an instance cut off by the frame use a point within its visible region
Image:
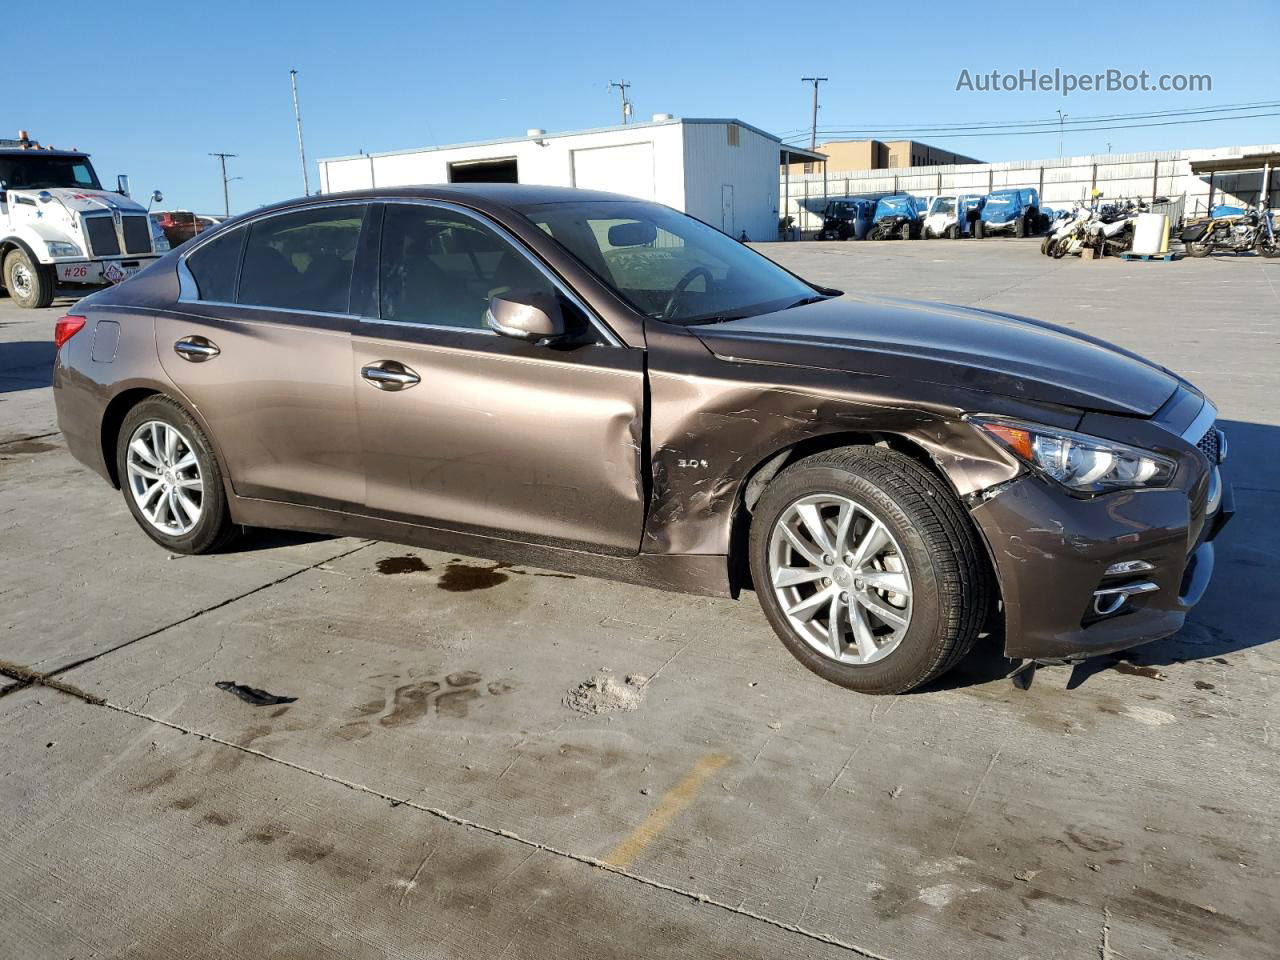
[427, 793]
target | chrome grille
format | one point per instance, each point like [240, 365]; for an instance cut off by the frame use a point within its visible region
[137, 235]
[1210, 445]
[101, 234]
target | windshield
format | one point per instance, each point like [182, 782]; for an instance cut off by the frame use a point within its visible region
[666, 265]
[944, 205]
[36, 171]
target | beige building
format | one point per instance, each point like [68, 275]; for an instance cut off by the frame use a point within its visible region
[851, 155]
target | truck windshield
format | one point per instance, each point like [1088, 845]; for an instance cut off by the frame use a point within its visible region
[36, 171]
[666, 265]
[944, 205]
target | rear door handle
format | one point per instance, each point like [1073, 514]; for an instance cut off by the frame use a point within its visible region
[196, 349]
[389, 375]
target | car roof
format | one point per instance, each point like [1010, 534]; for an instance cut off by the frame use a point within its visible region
[469, 194]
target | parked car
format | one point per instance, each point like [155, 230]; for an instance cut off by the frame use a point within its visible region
[896, 217]
[179, 226]
[604, 385]
[848, 218]
[1011, 211]
[946, 217]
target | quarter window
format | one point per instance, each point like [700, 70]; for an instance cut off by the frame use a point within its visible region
[303, 260]
[214, 266]
[441, 268]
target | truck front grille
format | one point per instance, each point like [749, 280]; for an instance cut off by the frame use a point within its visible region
[137, 235]
[101, 234]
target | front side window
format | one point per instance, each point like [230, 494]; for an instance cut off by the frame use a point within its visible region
[302, 260]
[667, 265]
[214, 266]
[440, 268]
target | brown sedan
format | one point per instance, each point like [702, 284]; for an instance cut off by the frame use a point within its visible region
[598, 384]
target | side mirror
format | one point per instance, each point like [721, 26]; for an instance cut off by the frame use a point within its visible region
[122, 184]
[157, 196]
[526, 315]
[44, 196]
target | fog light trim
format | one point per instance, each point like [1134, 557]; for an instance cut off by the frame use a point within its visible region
[1110, 600]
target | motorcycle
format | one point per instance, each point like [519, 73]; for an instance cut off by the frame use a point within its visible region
[1234, 233]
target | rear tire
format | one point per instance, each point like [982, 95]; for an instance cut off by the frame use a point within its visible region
[979, 230]
[929, 541]
[30, 284]
[953, 232]
[212, 528]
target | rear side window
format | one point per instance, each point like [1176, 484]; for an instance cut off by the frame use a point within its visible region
[214, 266]
[303, 260]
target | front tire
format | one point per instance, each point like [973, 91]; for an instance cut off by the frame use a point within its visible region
[1199, 249]
[979, 230]
[907, 589]
[171, 480]
[30, 284]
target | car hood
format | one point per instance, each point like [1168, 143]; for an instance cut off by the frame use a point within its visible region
[963, 347]
[76, 200]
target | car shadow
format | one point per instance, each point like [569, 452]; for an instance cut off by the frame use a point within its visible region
[26, 365]
[1238, 610]
[256, 539]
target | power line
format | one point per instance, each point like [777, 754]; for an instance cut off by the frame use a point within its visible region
[1081, 118]
[226, 201]
[813, 129]
[1032, 133]
[626, 104]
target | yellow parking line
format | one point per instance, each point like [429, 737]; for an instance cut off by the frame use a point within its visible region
[668, 808]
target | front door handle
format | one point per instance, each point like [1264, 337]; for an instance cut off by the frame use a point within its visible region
[389, 375]
[196, 349]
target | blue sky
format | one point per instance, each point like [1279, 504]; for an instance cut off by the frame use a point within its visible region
[155, 90]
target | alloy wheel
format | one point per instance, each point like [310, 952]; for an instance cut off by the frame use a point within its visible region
[840, 578]
[165, 478]
[22, 280]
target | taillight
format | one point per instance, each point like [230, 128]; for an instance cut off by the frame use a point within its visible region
[66, 328]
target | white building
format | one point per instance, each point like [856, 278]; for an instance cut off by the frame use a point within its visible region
[724, 172]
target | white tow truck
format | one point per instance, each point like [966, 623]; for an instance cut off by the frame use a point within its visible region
[59, 227]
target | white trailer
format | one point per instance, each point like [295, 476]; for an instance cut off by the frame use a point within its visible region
[724, 172]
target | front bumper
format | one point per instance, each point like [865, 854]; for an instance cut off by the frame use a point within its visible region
[1052, 552]
[99, 272]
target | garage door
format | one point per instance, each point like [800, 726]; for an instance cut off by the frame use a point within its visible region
[623, 169]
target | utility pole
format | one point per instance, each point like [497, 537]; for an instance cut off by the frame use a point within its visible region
[1061, 117]
[813, 131]
[626, 104]
[297, 116]
[226, 201]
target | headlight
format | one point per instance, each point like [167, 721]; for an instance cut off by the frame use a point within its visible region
[1079, 462]
[59, 248]
[161, 244]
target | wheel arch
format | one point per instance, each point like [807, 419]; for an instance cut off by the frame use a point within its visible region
[757, 479]
[118, 408]
[12, 242]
